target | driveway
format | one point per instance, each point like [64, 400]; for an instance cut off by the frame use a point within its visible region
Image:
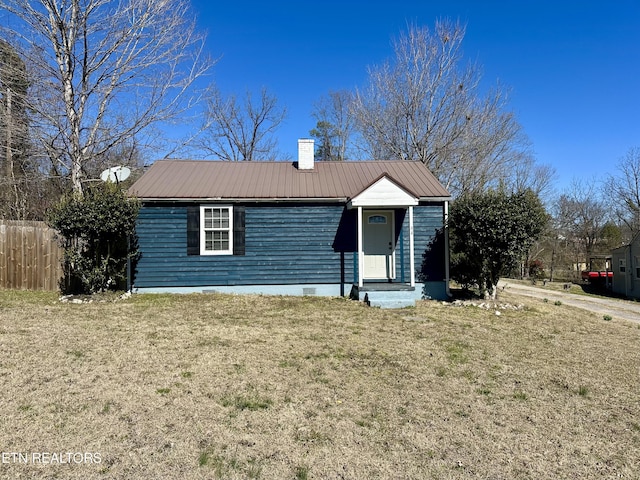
[616, 308]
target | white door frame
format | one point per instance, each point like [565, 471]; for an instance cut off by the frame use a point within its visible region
[387, 246]
[361, 246]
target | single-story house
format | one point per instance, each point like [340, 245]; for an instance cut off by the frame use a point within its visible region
[373, 230]
[625, 263]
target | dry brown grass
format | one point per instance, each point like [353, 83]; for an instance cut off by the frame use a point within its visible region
[214, 386]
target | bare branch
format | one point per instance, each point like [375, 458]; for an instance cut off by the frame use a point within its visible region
[104, 71]
[426, 106]
[335, 125]
[624, 190]
[237, 132]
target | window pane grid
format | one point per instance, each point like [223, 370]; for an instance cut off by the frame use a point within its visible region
[216, 240]
[216, 224]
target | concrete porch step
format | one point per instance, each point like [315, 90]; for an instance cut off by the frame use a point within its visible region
[385, 295]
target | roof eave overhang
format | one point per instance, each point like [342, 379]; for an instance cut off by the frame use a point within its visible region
[352, 204]
[339, 200]
[435, 199]
[420, 200]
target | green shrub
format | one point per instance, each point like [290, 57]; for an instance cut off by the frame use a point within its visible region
[489, 232]
[98, 236]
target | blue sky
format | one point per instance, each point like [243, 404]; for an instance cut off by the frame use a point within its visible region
[572, 66]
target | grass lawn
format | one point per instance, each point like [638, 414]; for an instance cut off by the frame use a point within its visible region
[216, 386]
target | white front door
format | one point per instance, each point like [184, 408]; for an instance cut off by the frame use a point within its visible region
[378, 245]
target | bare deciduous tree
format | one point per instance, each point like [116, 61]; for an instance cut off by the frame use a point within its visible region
[13, 115]
[424, 105]
[237, 131]
[21, 183]
[527, 174]
[624, 190]
[581, 215]
[335, 125]
[103, 71]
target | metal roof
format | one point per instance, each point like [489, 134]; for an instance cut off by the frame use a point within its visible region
[199, 179]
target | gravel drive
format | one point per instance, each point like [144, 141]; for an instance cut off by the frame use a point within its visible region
[616, 308]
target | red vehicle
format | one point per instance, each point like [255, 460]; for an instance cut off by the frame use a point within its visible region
[599, 277]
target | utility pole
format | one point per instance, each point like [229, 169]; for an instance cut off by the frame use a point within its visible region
[10, 170]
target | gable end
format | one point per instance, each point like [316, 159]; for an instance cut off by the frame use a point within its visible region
[384, 192]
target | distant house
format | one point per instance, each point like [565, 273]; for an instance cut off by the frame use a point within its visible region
[625, 263]
[369, 229]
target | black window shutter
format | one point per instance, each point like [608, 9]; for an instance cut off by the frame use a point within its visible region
[193, 230]
[238, 230]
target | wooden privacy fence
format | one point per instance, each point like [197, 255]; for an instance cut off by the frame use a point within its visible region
[30, 257]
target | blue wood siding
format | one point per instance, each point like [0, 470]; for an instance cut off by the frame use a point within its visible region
[284, 245]
[427, 221]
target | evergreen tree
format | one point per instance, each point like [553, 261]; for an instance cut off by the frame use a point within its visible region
[490, 232]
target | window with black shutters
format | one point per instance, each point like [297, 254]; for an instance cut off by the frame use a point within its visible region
[215, 230]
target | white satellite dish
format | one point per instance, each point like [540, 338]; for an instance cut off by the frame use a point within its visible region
[115, 174]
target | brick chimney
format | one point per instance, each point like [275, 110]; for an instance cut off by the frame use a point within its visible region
[305, 154]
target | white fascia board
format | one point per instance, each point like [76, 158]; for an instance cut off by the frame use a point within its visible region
[384, 193]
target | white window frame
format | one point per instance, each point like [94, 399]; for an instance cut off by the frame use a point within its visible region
[203, 230]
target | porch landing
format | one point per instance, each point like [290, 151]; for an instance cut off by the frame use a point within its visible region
[385, 295]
